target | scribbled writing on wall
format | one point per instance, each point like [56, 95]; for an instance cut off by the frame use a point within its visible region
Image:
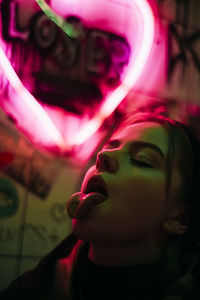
[58, 69]
[35, 234]
[177, 11]
[188, 50]
[58, 212]
[183, 41]
[9, 199]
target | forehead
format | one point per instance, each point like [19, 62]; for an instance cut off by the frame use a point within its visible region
[151, 132]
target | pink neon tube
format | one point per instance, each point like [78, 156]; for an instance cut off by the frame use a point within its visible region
[137, 66]
[28, 100]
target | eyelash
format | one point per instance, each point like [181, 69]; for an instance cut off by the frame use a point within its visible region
[138, 162]
[141, 163]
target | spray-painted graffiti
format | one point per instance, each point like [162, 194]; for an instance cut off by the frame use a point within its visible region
[44, 34]
[40, 235]
[9, 199]
[37, 235]
[5, 159]
[7, 233]
[187, 45]
[78, 64]
[183, 42]
[177, 11]
[58, 212]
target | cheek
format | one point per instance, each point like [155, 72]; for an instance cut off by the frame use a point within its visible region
[134, 209]
[141, 197]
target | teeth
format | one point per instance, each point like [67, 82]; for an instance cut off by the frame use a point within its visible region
[96, 188]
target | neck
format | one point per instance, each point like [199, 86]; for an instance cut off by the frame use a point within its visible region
[124, 255]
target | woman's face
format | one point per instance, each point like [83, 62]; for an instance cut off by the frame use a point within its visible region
[133, 168]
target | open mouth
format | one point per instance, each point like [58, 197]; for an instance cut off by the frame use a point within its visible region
[96, 184]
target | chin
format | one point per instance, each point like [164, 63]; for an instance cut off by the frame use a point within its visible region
[80, 231]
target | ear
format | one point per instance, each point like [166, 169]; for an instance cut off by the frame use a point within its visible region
[177, 220]
[174, 227]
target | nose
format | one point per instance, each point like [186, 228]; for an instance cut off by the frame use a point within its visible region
[106, 161]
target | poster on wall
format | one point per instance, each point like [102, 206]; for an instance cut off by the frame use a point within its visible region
[19, 160]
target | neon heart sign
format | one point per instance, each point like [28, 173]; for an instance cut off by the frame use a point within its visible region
[46, 130]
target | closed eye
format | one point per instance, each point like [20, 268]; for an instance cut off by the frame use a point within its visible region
[141, 163]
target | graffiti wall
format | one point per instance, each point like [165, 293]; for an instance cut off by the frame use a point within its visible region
[35, 182]
[183, 46]
[34, 187]
[178, 84]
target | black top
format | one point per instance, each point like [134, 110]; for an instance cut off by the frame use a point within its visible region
[91, 281]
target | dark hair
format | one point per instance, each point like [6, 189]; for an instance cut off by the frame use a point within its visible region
[180, 260]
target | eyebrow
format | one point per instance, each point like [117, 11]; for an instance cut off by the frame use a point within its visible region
[141, 144]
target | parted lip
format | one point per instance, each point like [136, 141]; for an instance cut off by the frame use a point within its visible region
[96, 184]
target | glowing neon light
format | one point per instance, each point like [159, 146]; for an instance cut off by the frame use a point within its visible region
[59, 21]
[28, 100]
[136, 66]
[113, 100]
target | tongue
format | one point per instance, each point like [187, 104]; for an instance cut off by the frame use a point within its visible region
[80, 204]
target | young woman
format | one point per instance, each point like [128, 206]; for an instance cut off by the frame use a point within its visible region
[135, 222]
